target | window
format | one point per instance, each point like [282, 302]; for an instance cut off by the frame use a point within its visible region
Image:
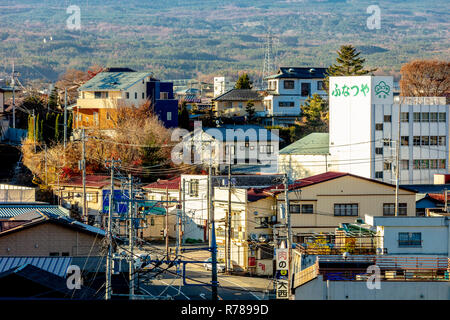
[442, 164]
[433, 117]
[425, 117]
[378, 126]
[404, 164]
[378, 150]
[294, 208]
[143, 95]
[289, 84]
[53, 254]
[387, 142]
[433, 164]
[410, 239]
[152, 221]
[424, 164]
[387, 118]
[306, 89]
[169, 116]
[416, 116]
[307, 208]
[405, 141]
[97, 95]
[108, 116]
[127, 95]
[442, 116]
[442, 140]
[163, 95]
[425, 141]
[193, 188]
[379, 175]
[65, 254]
[135, 95]
[345, 209]
[389, 209]
[433, 141]
[404, 117]
[416, 140]
[286, 103]
[273, 85]
[262, 222]
[416, 164]
[387, 166]
[320, 85]
[240, 105]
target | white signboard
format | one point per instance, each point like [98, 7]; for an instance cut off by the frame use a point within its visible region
[282, 259]
[282, 289]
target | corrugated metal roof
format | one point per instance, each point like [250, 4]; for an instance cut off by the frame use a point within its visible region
[55, 265]
[105, 81]
[313, 144]
[9, 211]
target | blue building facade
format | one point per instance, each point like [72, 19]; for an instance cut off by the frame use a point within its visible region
[163, 102]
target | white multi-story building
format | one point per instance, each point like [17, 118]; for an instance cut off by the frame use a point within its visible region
[288, 90]
[222, 85]
[364, 130]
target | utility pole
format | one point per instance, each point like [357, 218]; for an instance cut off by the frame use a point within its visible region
[214, 282]
[131, 236]
[397, 162]
[34, 131]
[83, 164]
[65, 118]
[288, 228]
[13, 82]
[183, 212]
[228, 217]
[166, 230]
[112, 165]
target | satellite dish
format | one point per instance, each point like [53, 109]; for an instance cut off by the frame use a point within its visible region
[255, 213]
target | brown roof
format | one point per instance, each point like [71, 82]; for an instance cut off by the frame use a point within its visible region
[92, 181]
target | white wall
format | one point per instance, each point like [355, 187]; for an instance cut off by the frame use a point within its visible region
[357, 290]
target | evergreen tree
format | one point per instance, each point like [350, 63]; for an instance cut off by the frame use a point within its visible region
[250, 109]
[53, 99]
[57, 129]
[315, 112]
[244, 82]
[348, 63]
[69, 125]
[183, 116]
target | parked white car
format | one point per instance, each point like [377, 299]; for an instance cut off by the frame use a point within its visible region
[220, 265]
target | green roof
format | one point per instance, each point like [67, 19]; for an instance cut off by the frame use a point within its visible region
[314, 143]
[108, 81]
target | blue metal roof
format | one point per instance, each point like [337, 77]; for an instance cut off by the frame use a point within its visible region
[9, 211]
[55, 265]
[105, 81]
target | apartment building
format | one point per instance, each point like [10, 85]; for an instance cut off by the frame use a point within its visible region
[365, 125]
[288, 90]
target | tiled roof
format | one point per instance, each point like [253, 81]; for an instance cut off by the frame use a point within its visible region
[437, 196]
[106, 81]
[313, 144]
[239, 95]
[299, 73]
[172, 184]
[9, 210]
[63, 220]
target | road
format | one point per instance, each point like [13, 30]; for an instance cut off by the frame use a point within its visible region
[231, 287]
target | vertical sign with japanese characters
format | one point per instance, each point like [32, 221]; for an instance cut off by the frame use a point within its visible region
[282, 273]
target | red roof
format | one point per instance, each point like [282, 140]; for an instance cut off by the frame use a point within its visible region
[172, 184]
[437, 196]
[318, 178]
